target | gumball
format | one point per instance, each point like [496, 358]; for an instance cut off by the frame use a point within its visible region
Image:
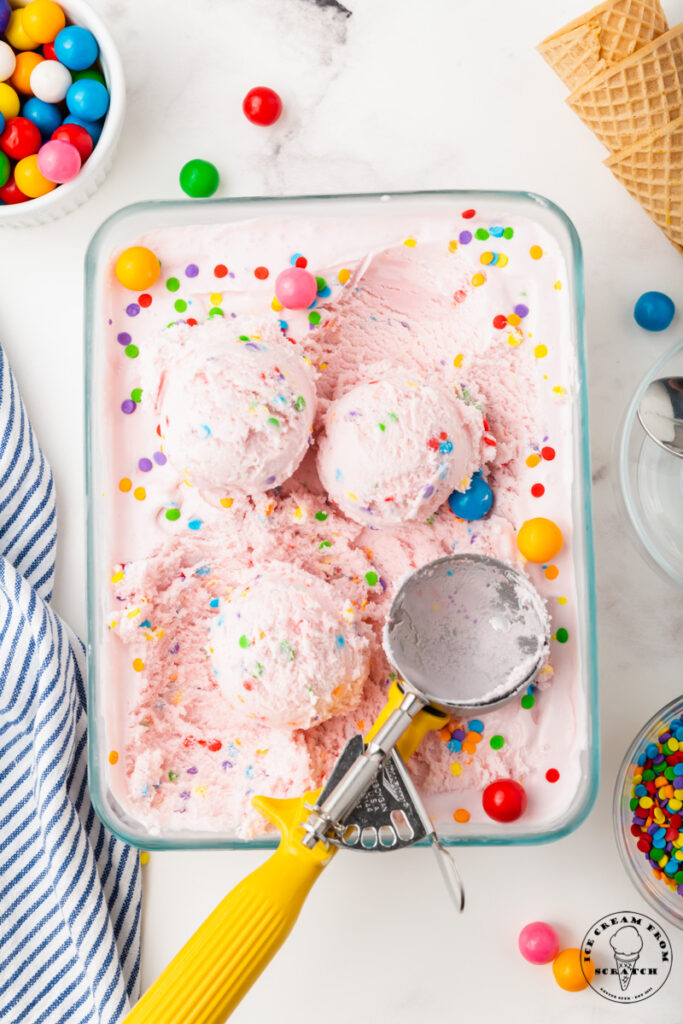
[42, 20]
[539, 540]
[26, 63]
[199, 179]
[93, 129]
[11, 195]
[654, 311]
[538, 943]
[573, 971]
[8, 61]
[76, 47]
[59, 161]
[50, 81]
[504, 800]
[47, 117]
[137, 268]
[262, 106]
[20, 138]
[473, 503]
[5, 12]
[2, 124]
[87, 99]
[29, 179]
[77, 136]
[5, 169]
[96, 76]
[15, 34]
[9, 101]
[295, 288]
[49, 51]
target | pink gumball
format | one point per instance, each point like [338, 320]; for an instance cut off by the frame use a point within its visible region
[59, 161]
[295, 288]
[538, 943]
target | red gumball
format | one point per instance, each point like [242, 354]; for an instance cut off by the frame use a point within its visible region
[49, 51]
[11, 195]
[19, 138]
[504, 800]
[77, 136]
[262, 105]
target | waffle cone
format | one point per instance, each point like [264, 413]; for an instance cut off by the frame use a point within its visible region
[602, 37]
[652, 171]
[635, 97]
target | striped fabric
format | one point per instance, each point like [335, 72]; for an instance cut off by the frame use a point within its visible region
[69, 891]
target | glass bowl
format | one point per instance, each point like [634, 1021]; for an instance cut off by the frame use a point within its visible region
[651, 480]
[667, 903]
[135, 221]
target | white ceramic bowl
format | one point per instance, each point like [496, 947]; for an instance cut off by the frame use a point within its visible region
[66, 198]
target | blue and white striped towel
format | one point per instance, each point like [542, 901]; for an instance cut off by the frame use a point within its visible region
[69, 891]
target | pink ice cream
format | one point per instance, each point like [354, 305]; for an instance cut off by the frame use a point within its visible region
[394, 448]
[409, 295]
[236, 404]
[283, 650]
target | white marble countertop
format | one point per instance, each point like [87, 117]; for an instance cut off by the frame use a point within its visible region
[396, 95]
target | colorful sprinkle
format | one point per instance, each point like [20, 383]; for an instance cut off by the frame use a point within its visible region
[220, 270]
[528, 701]
[538, 490]
[496, 742]
[132, 351]
[113, 756]
[371, 578]
[533, 460]
[191, 270]
[172, 514]
[140, 493]
[125, 484]
[343, 275]
[562, 635]
[541, 351]
[552, 775]
[128, 406]
[551, 572]
[138, 664]
[535, 252]
[173, 284]
[261, 273]
[478, 280]
[461, 815]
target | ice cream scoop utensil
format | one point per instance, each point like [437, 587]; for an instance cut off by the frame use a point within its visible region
[661, 413]
[464, 632]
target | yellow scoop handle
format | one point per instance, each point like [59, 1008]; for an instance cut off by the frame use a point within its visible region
[215, 969]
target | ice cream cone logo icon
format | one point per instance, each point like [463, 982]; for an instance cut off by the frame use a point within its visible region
[626, 946]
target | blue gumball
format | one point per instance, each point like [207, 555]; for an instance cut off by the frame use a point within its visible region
[87, 99]
[76, 48]
[654, 311]
[93, 129]
[473, 503]
[47, 117]
[2, 123]
[5, 12]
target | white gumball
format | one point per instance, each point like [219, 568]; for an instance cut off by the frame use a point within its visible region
[7, 61]
[50, 81]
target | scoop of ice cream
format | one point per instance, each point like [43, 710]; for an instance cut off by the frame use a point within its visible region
[626, 941]
[236, 405]
[284, 651]
[394, 449]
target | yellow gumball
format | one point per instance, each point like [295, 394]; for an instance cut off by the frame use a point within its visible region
[15, 34]
[573, 971]
[42, 20]
[137, 268]
[539, 540]
[9, 101]
[29, 179]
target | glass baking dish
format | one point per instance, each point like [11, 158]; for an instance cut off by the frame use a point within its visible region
[131, 222]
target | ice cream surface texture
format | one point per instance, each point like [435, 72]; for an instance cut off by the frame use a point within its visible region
[236, 404]
[393, 449]
[284, 652]
[246, 567]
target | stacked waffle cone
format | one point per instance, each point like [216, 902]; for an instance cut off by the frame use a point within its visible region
[624, 68]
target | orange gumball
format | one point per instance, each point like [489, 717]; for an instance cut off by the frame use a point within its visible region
[43, 20]
[21, 79]
[29, 180]
[573, 971]
[539, 540]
